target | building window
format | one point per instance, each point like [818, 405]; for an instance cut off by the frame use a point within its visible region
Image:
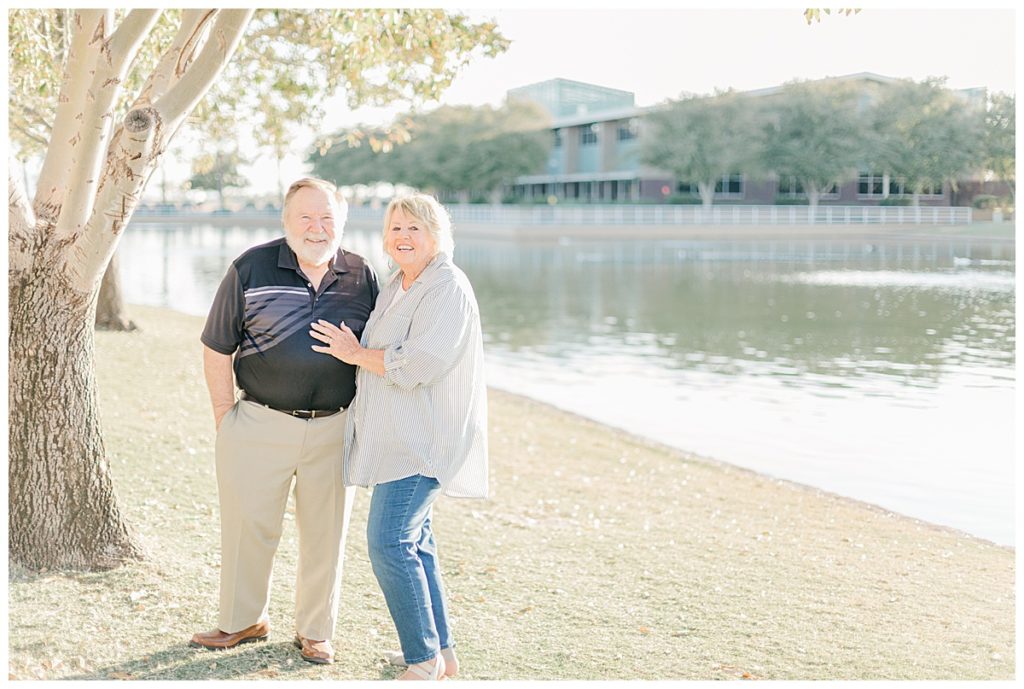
[868, 185]
[791, 188]
[588, 135]
[730, 185]
[687, 188]
[933, 190]
[627, 130]
[558, 138]
[873, 186]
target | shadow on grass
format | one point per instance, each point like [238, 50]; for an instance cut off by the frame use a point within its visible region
[268, 660]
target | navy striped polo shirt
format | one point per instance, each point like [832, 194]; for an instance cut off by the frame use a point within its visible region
[262, 313]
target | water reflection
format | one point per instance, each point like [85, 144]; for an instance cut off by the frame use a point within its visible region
[881, 370]
[899, 312]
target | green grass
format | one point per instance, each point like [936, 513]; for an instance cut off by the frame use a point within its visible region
[598, 556]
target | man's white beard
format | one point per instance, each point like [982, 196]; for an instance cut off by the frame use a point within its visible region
[310, 254]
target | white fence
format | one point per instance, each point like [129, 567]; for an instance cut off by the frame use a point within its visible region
[695, 215]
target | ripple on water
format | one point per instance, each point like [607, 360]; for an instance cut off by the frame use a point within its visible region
[1001, 281]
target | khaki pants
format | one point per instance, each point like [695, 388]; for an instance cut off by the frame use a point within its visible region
[259, 450]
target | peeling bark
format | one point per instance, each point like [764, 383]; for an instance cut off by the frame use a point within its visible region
[63, 512]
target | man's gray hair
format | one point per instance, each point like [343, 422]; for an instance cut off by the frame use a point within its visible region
[323, 185]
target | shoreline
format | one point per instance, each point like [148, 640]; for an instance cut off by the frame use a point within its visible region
[688, 455]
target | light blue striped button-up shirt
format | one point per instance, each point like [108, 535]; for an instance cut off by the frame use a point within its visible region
[428, 413]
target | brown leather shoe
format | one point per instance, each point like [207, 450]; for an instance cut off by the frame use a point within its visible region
[315, 651]
[219, 641]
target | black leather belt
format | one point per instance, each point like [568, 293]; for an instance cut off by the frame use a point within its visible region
[297, 413]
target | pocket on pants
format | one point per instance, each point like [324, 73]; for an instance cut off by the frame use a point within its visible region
[225, 427]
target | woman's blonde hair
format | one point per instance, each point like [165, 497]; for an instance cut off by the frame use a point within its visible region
[428, 211]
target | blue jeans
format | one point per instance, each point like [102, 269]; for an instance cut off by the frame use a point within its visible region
[404, 559]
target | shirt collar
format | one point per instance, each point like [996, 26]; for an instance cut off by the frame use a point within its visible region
[286, 259]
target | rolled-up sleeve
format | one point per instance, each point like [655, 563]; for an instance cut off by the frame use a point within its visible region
[440, 328]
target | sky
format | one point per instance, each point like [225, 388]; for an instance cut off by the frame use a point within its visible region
[659, 54]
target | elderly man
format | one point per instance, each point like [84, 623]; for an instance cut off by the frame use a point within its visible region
[289, 419]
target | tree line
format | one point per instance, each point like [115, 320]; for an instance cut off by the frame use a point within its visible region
[811, 136]
[460, 153]
[818, 135]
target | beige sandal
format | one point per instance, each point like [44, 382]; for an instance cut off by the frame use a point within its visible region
[451, 663]
[421, 671]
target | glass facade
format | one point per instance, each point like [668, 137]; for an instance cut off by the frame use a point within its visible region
[566, 98]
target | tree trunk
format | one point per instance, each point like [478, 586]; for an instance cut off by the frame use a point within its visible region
[812, 206]
[110, 313]
[63, 511]
[707, 193]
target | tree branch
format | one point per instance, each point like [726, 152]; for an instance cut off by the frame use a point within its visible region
[51, 189]
[134, 28]
[27, 132]
[116, 55]
[21, 222]
[177, 57]
[31, 115]
[137, 147]
[183, 96]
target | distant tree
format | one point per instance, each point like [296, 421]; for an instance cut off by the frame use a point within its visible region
[106, 130]
[494, 162]
[458, 149]
[701, 139]
[814, 133]
[927, 135]
[217, 172]
[1000, 140]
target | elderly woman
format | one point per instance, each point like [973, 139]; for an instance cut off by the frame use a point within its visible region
[418, 423]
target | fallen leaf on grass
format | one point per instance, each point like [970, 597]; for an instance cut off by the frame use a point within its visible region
[645, 630]
[121, 675]
[525, 610]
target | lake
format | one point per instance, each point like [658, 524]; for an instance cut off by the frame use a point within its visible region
[882, 370]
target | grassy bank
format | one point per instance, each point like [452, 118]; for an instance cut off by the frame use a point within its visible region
[598, 556]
